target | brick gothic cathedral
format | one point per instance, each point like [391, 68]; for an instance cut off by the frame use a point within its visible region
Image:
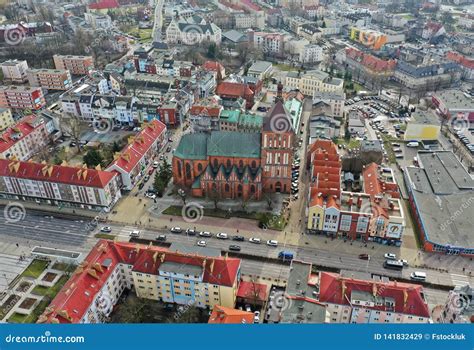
[234, 164]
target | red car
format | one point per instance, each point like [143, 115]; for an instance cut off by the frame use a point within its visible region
[151, 171]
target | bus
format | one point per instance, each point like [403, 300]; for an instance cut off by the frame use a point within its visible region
[393, 265]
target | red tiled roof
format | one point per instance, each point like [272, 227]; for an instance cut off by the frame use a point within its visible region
[21, 129]
[374, 185]
[226, 315]
[325, 169]
[55, 173]
[232, 89]
[462, 60]
[369, 61]
[251, 5]
[253, 291]
[206, 110]
[212, 66]
[104, 4]
[134, 151]
[336, 289]
[75, 297]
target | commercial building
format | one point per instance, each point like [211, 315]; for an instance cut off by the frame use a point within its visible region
[441, 193]
[313, 81]
[423, 126]
[24, 139]
[14, 71]
[76, 65]
[6, 118]
[232, 164]
[153, 272]
[21, 97]
[260, 70]
[454, 104]
[58, 185]
[51, 79]
[141, 149]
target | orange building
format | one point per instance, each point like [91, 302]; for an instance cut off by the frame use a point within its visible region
[226, 315]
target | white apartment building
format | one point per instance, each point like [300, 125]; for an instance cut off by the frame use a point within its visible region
[15, 71]
[313, 81]
[311, 54]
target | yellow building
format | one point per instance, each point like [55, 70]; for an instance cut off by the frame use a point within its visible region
[6, 118]
[313, 81]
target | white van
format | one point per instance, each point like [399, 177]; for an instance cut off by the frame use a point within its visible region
[413, 144]
[418, 276]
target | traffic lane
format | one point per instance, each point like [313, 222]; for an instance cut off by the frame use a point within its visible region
[315, 256]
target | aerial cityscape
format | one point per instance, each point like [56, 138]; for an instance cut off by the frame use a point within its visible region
[236, 161]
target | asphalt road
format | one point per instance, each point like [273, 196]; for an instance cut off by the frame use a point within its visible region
[316, 256]
[35, 226]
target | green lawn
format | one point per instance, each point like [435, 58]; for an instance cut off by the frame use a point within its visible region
[350, 144]
[104, 235]
[50, 291]
[284, 67]
[176, 210]
[35, 268]
[64, 267]
[31, 318]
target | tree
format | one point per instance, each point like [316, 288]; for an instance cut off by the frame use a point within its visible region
[190, 314]
[72, 126]
[323, 25]
[182, 194]
[214, 196]
[212, 51]
[159, 184]
[92, 158]
[165, 171]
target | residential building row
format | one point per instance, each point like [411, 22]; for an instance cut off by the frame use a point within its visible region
[152, 272]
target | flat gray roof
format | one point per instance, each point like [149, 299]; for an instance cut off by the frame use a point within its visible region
[260, 66]
[55, 252]
[424, 117]
[186, 269]
[455, 100]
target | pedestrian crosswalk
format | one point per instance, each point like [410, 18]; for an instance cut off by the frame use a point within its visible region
[124, 233]
[459, 280]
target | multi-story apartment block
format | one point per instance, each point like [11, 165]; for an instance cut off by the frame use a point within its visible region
[329, 103]
[141, 149]
[353, 300]
[311, 53]
[76, 65]
[21, 97]
[14, 71]
[6, 118]
[367, 68]
[313, 81]
[154, 273]
[59, 185]
[269, 43]
[24, 139]
[51, 79]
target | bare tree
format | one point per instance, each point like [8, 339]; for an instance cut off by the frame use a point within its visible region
[71, 125]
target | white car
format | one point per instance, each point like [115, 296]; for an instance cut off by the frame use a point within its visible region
[390, 256]
[155, 164]
[205, 234]
[254, 240]
[106, 229]
[222, 235]
[135, 234]
[272, 243]
[176, 229]
[256, 318]
[201, 243]
[150, 195]
[404, 262]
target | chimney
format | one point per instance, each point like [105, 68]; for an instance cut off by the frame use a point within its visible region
[359, 201]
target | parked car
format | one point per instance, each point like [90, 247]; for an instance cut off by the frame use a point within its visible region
[155, 164]
[106, 229]
[201, 243]
[256, 318]
[222, 235]
[146, 178]
[176, 229]
[272, 243]
[238, 238]
[150, 195]
[255, 240]
[205, 234]
[404, 262]
[364, 256]
[235, 248]
[161, 238]
[151, 171]
[390, 256]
